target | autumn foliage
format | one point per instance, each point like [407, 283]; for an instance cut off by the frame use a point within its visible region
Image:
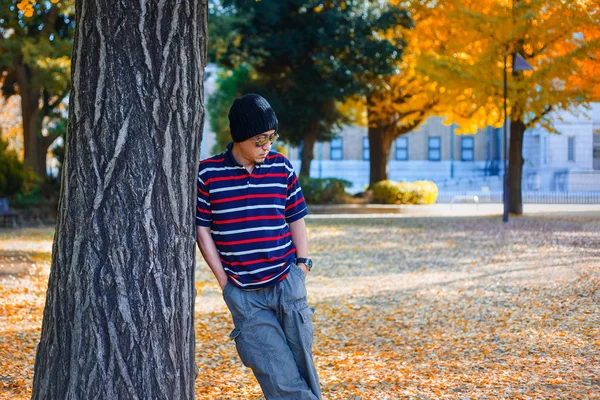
[439, 308]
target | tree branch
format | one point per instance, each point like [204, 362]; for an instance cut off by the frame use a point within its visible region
[45, 102]
[539, 117]
[49, 21]
[58, 100]
[414, 123]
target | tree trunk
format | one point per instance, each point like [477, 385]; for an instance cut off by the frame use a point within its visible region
[515, 167]
[118, 321]
[33, 142]
[380, 144]
[310, 138]
[33, 146]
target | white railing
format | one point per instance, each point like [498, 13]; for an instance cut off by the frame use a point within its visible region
[529, 197]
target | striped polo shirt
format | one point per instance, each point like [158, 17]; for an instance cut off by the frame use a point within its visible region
[248, 214]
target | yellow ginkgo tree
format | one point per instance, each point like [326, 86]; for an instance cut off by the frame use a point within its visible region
[560, 39]
[404, 102]
[401, 102]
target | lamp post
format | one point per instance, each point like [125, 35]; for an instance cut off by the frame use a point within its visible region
[320, 160]
[452, 151]
[519, 64]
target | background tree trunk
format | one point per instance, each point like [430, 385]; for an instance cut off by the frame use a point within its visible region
[118, 321]
[34, 151]
[35, 145]
[34, 154]
[515, 167]
[380, 144]
[308, 149]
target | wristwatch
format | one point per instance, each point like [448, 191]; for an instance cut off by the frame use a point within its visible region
[305, 261]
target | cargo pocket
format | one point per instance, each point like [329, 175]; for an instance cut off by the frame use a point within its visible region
[306, 330]
[299, 330]
[236, 335]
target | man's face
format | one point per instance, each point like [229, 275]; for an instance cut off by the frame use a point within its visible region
[253, 151]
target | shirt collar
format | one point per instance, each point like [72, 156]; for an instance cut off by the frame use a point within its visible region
[229, 158]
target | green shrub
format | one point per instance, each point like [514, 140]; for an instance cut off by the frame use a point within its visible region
[390, 192]
[30, 194]
[12, 173]
[324, 190]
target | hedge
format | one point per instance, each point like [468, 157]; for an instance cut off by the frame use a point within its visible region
[324, 190]
[390, 192]
[12, 173]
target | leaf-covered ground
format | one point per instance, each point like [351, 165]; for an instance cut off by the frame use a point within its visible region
[407, 308]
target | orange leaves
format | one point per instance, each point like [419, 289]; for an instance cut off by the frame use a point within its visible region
[22, 292]
[26, 6]
[408, 97]
[449, 308]
[11, 129]
[557, 38]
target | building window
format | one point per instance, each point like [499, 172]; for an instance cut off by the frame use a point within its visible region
[365, 148]
[467, 152]
[336, 149]
[435, 148]
[560, 181]
[533, 181]
[402, 149]
[571, 149]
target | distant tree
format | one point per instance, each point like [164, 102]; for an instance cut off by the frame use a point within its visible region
[560, 39]
[35, 49]
[398, 109]
[230, 84]
[12, 174]
[402, 101]
[309, 55]
[222, 22]
[11, 126]
[57, 127]
[118, 319]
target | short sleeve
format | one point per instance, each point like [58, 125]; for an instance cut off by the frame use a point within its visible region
[203, 212]
[295, 206]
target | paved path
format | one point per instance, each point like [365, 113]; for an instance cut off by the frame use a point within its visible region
[447, 210]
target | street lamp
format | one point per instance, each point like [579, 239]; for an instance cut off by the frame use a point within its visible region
[519, 64]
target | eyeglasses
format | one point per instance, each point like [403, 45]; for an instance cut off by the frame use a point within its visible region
[261, 141]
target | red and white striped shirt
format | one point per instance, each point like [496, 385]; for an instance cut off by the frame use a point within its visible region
[248, 214]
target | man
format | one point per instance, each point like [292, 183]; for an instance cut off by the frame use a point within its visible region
[251, 232]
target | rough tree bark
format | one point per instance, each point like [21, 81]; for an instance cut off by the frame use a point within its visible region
[118, 321]
[515, 167]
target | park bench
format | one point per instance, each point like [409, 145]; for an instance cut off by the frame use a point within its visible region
[462, 198]
[6, 215]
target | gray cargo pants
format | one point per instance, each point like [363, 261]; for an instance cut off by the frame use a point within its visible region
[273, 336]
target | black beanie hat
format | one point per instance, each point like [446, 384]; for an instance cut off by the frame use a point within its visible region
[251, 115]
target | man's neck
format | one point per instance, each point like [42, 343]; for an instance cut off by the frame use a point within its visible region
[237, 154]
